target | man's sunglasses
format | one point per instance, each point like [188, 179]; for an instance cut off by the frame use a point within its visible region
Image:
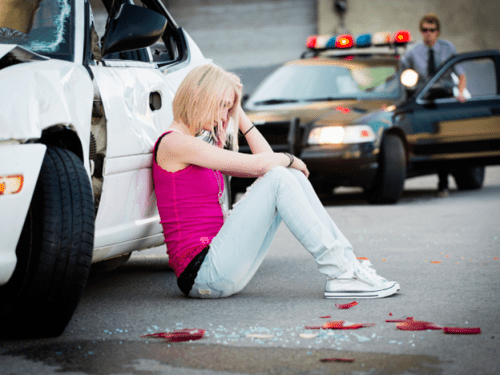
[424, 30]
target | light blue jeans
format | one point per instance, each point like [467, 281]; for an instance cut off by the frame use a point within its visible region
[282, 194]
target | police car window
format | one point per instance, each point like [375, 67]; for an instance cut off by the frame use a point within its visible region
[47, 27]
[326, 82]
[480, 76]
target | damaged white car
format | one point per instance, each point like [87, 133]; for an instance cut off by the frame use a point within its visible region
[79, 115]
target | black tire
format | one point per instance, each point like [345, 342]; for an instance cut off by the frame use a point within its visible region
[389, 183]
[54, 251]
[469, 178]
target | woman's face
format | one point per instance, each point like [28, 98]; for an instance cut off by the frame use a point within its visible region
[225, 106]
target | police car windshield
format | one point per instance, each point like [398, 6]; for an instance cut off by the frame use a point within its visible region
[308, 83]
[46, 29]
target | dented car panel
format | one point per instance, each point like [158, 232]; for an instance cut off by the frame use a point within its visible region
[132, 124]
[54, 92]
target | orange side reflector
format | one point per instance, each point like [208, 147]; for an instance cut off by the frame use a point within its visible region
[11, 184]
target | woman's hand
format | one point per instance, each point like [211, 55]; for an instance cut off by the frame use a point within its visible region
[300, 165]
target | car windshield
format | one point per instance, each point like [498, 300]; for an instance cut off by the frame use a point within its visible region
[46, 26]
[308, 83]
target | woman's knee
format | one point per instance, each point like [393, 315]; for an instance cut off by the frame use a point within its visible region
[281, 173]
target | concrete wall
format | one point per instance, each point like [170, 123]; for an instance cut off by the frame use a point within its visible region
[470, 25]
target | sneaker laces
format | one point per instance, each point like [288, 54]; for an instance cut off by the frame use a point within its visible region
[366, 266]
[364, 274]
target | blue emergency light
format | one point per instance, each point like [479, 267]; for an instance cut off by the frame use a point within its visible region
[364, 40]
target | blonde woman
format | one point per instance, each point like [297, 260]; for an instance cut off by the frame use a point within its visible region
[214, 256]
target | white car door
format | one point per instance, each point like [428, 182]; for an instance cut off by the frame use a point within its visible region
[136, 100]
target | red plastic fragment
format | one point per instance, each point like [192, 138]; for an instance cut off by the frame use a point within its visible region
[313, 327]
[339, 324]
[346, 305]
[462, 331]
[417, 325]
[337, 360]
[410, 318]
[336, 324]
[325, 317]
[179, 335]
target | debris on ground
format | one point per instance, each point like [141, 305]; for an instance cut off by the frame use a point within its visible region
[337, 360]
[346, 305]
[186, 334]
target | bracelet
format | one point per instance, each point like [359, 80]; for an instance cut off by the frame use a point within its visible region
[251, 127]
[291, 159]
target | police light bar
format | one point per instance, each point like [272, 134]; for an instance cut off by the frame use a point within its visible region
[385, 38]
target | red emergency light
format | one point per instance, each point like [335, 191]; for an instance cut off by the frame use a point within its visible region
[311, 41]
[402, 36]
[344, 41]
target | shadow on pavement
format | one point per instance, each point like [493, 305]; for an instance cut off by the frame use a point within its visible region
[146, 356]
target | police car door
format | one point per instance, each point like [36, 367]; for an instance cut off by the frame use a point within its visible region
[444, 128]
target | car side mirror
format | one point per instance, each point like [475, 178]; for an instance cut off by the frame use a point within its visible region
[438, 92]
[133, 27]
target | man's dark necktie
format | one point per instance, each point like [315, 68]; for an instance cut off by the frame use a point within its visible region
[431, 64]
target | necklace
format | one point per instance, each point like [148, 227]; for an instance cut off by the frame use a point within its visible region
[220, 181]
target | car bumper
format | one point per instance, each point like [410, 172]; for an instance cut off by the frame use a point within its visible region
[342, 165]
[25, 160]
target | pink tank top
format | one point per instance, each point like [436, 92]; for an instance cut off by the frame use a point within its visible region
[189, 209]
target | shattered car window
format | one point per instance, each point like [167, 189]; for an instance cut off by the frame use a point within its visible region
[43, 26]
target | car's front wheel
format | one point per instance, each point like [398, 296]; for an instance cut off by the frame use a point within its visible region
[391, 173]
[54, 252]
[469, 178]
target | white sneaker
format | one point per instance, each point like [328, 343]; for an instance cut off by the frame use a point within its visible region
[360, 282]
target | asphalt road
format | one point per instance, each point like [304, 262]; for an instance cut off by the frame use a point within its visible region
[443, 251]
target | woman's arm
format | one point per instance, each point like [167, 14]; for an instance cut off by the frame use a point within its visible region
[258, 144]
[181, 150]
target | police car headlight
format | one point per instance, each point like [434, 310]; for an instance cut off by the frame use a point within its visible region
[409, 78]
[341, 135]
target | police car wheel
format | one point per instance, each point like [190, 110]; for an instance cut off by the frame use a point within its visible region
[469, 178]
[54, 251]
[391, 174]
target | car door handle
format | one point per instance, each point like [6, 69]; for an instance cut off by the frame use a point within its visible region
[155, 101]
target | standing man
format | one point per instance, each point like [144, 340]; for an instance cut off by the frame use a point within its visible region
[425, 58]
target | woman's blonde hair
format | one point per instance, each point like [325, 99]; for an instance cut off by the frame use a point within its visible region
[198, 101]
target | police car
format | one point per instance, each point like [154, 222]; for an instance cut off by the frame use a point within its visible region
[79, 115]
[348, 109]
